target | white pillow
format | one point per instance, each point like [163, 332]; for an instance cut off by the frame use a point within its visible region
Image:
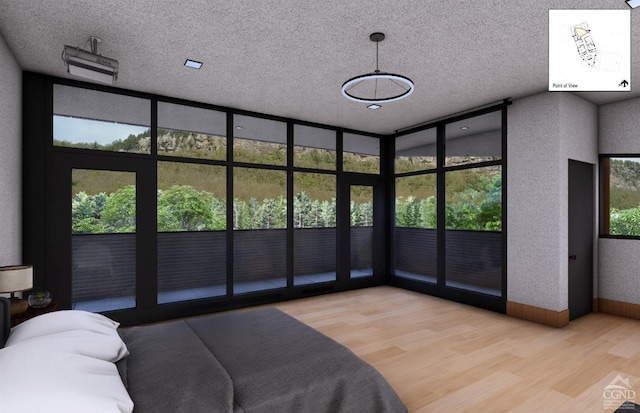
[37, 378]
[95, 333]
[81, 342]
[59, 321]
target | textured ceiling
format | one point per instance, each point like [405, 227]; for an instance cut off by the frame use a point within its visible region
[289, 58]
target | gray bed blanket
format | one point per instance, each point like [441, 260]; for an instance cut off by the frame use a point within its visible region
[255, 361]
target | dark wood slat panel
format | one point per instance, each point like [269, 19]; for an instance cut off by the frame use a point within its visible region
[259, 255]
[474, 258]
[191, 260]
[417, 251]
[362, 247]
[104, 266]
[314, 250]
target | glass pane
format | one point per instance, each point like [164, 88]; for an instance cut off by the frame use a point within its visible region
[260, 141]
[416, 222]
[473, 140]
[361, 154]
[103, 240]
[191, 197]
[314, 147]
[474, 199]
[90, 119]
[416, 151]
[260, 234]
[103, 202]
[361, 231]
[416, 201]
[314, 219]
[191, 132]
[192, 243]
[473, 239]
[624, 196]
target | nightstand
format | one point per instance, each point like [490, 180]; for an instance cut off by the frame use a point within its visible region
[34, 312]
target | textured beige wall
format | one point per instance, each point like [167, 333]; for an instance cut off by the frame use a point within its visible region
[579, 142]
[10, 158]
[619, 274]
[544, 132]
[619, 130]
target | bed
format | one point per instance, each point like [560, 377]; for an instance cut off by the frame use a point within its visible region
[259, 360]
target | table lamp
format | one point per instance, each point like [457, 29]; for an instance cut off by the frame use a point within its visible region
[16, 278]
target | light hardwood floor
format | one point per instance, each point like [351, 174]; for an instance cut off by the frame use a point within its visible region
[442, 356]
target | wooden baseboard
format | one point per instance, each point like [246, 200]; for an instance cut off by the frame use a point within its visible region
[594, 305]
[538, 315]
[619, 308]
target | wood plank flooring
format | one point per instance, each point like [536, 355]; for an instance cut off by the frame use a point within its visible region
[442, 356]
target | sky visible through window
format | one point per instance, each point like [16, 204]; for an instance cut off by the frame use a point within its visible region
[77, 130]
[627, 159]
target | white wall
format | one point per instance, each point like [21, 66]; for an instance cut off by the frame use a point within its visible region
[619, 273]
[10, 158]
[544, 132]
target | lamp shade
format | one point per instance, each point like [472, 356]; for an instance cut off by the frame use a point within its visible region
[16, 278]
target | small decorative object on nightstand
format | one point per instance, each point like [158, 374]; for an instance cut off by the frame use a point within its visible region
[34, 312]
[39, 299]
[16, 278]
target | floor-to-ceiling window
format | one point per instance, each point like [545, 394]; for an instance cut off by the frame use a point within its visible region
[449, 202]
[191, 203]
[259, 205]
[473, 204]
[362, 154]
[314, 205]
[103, 206]
[314, 220]
[178, 205]
[415, 206]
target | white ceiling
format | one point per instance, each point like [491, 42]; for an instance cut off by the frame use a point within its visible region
[289, 58]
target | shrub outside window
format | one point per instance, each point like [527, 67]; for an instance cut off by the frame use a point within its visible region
[620, 194]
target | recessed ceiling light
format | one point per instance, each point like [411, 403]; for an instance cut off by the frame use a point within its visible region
[238, 127]
[464, 127]
[193, 64]
[374, 106]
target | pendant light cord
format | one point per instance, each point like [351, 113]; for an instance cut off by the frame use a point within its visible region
[375, 90]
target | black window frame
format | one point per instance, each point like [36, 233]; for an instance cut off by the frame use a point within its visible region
[604, 195]
[43, 222]
[440, 289]
[43, 231]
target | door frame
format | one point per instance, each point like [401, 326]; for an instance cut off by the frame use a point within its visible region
[58, 258]
[343, 244]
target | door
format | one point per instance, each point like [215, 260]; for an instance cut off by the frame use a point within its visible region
[581, 226]
[360, 247]
[103, 232]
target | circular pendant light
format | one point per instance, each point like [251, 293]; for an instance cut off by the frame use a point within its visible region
[377, 87]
